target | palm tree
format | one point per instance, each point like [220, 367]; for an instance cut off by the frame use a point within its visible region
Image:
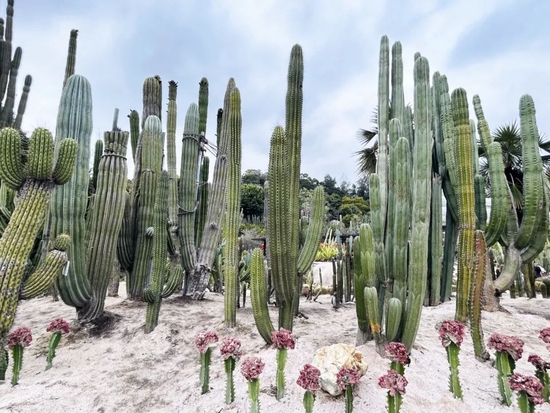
[369, 140]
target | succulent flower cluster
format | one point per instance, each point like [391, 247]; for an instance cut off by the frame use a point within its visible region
[231, 348]
[394, 382]
[509, 344]
[283, 339]
[204, 339]
[347, 377]
[528, 384]
[309, 378]
[544, 335]
[58, 326]
[252, 367]
[20, 337]
[539, 363]
[451, 331]
[397, 352]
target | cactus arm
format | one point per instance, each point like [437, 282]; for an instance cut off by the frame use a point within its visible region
[258, 296]
[202, 210]
[480, 205]
[71, 56]
[500, 196]
[134, 132]
[532, 172]
[538, 239]
[478, 280]
[12, 171]
[105, 218]
[203, 105]
[383, 126]
[371, 299]
[159, 253]
[23, 103]
[152, 98]
[6, 117]
[171, 120]
[151, 166]
[174, 282]
[422, 187]
[311, 243]
[98, 153]
[70, 201]
[188, 187]
[436, 242]
[48, 270]
[233, 219]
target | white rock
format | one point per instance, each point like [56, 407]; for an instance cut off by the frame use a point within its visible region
[331, 359]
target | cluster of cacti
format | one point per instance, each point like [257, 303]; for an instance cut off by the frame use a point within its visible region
[35, 181]
[390, 284]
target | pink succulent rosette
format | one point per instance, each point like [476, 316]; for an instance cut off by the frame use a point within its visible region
[347, 377]
[20, 337]
[230, 347]
[539, 363]
[204, 339]
[252, 367]
[58, 326]
[451, 331]
[394, 382]
[528, 384]
[309, 378]
[397, 352]
[544, 335]
[283, 339]
[509, 344]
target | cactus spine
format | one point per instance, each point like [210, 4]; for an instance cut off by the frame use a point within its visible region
[153, 292]
[105, 219]
[69, 202]
[233, 218]
[28, 217]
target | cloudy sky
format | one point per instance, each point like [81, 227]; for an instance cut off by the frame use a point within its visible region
[495, 48]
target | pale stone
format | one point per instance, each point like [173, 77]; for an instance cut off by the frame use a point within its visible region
[331, 359]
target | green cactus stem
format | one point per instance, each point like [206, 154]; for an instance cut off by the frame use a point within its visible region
[205, 359]
[152, 99]
[71, 56]
[282, 355]
[349, 398]
[254, 395]
[171, 121]
[27, 219]
[232, 218]
[204, 190]
[4, 362]
[422, 188]
[505, 365]
[55, 338]
[229, 364]
[74, 120]
[17, 354]
[203, 105]
[436, 242]
[258, 295]
[134, 131]
[383, 126]
[105, 220]
[476, 295]
[151, 162]
[98, 153]
[454, 381]
[308, 401]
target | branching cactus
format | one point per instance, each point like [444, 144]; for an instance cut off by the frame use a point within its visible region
[74, 121]
[35, 181]
[105, 220]
[9, 67]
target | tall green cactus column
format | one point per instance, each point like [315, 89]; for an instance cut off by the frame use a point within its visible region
[35, 181]
[105, 221]
[153, 291]
[151, 161]
[421, 191]
[233, 217]
[69, 202]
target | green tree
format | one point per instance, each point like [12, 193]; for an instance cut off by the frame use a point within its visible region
[353, 208]
[252, 200]
[254, 176]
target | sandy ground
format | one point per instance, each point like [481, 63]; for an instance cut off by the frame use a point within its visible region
[121, 369]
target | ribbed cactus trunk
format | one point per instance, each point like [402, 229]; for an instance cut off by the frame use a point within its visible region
[71, 56]
[171, 164]
[35, 181]
[69, 202]
[105, 221]
[153, 291]
[151, 161]
[233, 217]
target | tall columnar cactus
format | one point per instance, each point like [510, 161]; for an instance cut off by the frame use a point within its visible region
[105, 219]
[151, 161]
[153, 291]
[171, 162]
[232, 219]
[203, 105]
[204, 258]
[74, 120]
[35, 181]
[152, 98]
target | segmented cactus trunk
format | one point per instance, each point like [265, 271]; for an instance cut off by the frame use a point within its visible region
[69, 202]
[153, 291]
[35, 181]
[151, 161]
[105, 221]
[233, 218]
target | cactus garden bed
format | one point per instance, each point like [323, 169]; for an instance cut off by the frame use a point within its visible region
[117, 368]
